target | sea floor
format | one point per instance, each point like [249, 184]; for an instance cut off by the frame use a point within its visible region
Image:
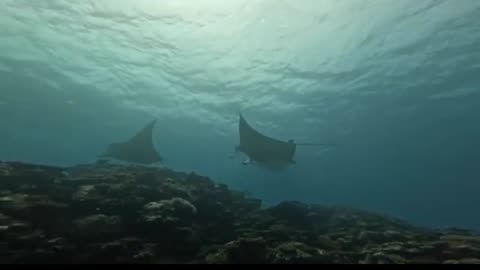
[103, 213]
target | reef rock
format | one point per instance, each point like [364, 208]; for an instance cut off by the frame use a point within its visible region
[98, 226]
[241, 251]
[105, 213]
[298, 253]
[168, 214]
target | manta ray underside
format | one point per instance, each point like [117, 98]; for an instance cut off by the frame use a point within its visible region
[138, 149]
[262, 149]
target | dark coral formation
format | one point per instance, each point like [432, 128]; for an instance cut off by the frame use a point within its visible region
[130, 214]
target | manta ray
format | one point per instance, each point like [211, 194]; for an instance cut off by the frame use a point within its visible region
[266, 151]
[138, 149]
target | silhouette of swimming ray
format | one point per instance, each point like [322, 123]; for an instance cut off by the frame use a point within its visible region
[264, 149]
[138, 149]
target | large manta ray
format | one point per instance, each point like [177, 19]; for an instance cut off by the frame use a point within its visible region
[264, 150]
[138, 149]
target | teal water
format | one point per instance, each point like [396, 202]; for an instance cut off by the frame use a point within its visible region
[394, 83]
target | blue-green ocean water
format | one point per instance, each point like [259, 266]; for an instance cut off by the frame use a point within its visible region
[394, 83]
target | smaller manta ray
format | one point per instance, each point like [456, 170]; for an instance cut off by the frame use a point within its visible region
[138, 149]
[266, 151]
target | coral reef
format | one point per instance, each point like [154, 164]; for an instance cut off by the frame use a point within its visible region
[104, 213]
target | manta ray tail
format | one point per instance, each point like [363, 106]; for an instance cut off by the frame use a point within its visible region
[316, 144]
